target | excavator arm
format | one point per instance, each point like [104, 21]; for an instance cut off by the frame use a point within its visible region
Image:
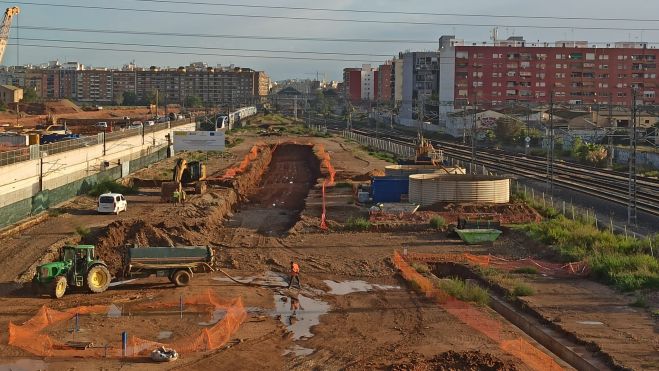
[5, 27]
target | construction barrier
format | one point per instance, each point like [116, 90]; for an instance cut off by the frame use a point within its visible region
[478, 320]
[579, 269]
[325, 161]
[244, 164]
[30, 337]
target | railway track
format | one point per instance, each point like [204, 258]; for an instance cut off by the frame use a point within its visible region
[605, 184]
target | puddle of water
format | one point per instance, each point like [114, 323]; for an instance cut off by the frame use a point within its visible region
[119, 283]
[347, 287]
[164, 335]
[24, 365]
[298, 351]
[217, 316]
[590, 322]
[304, 319]
[114, 311]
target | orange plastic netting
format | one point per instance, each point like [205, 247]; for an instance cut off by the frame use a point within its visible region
[30, 337]
[570, 269]
[479, 320]
[326, 162]
[242, 166]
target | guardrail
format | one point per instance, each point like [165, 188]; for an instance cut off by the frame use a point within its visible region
[381, 144]
[36, 151]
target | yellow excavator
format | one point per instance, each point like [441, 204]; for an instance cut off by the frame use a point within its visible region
[186, 174]
[424, 154]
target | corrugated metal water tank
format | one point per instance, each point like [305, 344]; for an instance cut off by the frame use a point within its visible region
[407, 170]
[427, 189]
[388, 188]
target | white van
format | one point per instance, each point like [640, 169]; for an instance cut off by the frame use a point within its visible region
[113, 203]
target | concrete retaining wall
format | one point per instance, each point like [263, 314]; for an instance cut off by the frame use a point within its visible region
[649, 159]
[29, 187]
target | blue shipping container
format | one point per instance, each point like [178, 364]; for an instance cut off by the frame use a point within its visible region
[389, 188]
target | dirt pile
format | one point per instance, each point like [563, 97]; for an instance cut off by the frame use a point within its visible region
[455, 361]
[197, 222]
[367, 176]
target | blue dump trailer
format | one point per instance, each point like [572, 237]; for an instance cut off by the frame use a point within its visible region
[52, 138]
[389, 188]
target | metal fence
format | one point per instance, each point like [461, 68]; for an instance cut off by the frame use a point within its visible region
[14, 156]
[23, 154]
[380, 144]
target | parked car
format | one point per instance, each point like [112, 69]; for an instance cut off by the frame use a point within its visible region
[149, 123]
[101, 124]
[136, 125]
[113, 203]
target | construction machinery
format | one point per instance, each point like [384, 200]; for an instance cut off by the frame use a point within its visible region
[76, 267]
[425, 154]
[186, 174]
[178, 264]
[10, 13]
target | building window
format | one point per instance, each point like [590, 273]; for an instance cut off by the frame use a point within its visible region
[604, 57]
[590, 56]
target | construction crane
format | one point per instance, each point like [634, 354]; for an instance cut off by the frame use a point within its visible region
[4, 29]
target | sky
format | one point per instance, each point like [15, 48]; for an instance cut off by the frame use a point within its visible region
[172, 48]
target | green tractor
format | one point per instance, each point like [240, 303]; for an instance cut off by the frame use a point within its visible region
[77, 267]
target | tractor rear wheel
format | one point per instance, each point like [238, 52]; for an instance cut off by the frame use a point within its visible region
[59, 285]
[182, 278]
[98, 279]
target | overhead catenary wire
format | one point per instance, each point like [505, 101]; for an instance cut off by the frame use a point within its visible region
[281, 38]
[392, 12]
[190, 53]
[326, 19]
[207, 47]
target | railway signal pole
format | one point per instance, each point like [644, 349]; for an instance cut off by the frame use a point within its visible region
[550, 150]
[631, 197]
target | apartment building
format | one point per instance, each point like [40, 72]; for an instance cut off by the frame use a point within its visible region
[385, 82]
[573, 71]
[215, 86]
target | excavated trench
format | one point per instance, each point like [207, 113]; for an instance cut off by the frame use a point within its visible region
[276, 204]
[576, 353]
[268, 193]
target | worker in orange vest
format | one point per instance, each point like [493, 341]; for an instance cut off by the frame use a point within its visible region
[295, 274]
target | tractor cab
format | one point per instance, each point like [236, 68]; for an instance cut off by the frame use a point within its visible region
[77, 267]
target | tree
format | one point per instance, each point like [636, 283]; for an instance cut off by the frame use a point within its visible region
[194, 101]
[151, 98]
[29, 95]
[508, 131]
[130, 98]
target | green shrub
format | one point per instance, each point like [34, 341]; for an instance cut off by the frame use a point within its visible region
[421, 267]
[525, 270]
[522, 289]
[465, 291]
[626, 272]
[105, 186]
[640, 302]
[437, 222]
[358, 224]
[54, 212]
[82, 231]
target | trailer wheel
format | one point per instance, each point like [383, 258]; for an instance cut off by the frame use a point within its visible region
[98, 279]
[58, 287]
[182, 278]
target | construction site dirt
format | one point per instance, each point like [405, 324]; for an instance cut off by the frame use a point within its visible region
[258, 220]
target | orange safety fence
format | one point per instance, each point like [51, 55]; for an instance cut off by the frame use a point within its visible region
[325, 161]
[479, 320]
[570, 269]
[30, 336]
[242, 166]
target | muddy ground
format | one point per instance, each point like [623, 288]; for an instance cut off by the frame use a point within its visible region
[356, 313]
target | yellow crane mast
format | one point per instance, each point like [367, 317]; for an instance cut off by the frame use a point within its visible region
[4, 29]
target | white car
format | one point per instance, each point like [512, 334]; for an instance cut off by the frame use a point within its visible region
[135, 125]
[149, 123]
[101, 124]
[113, 203]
